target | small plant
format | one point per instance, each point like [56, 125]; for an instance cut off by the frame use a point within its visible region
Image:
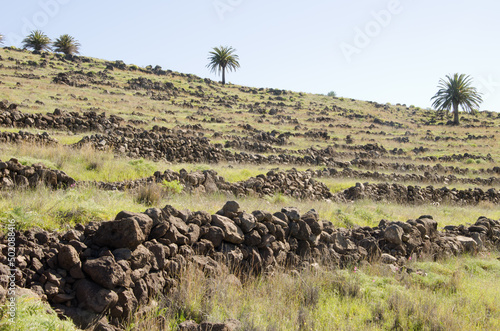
[279, 198]
[173, 187]
[332, 94]
[149, 195]
[94, 165]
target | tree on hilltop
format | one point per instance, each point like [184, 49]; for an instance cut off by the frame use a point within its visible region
[66, 44]
[222, 58]
[456, 92]
[37, 40]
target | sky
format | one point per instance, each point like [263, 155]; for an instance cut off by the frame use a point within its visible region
[376, 50]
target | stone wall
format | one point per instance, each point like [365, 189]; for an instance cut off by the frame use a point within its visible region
[115, 267]
[15, 175]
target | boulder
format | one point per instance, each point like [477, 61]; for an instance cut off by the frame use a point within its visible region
[247, 222]
[342, 244]
[394, 234]
[387, 258]
[122, 233]
[105, 271]
[232, 233]
[231, 209]
[215, 235]
[93, 297]
[429, 224]
[145, 222]
[68, 257]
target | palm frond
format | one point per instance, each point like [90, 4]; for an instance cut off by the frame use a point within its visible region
[66, 44]
[37, 40]
[457, 91]
[222, 58]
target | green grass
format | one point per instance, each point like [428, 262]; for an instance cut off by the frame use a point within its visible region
[33, 314]
[85, 164]
[458, 293]
[60, 209]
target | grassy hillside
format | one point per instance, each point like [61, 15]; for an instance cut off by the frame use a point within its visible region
[359, 141]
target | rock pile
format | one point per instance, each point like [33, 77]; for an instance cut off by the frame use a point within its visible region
[457, 157]
[15, 175]
[411, 167]
[415, 194]
[299, 185]
[427, 177]
[27, 137]
[60, 120]
[113, 268]
[302, 185]
[84, 79]
[159, 145]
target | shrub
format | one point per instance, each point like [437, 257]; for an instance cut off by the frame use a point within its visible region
[149, 195]
[173, 187]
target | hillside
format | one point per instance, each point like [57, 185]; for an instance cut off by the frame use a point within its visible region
[384, 188]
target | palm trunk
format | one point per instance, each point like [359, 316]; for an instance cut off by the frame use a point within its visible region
[456, 120]
[223, 76]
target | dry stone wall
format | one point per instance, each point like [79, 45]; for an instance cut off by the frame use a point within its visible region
[115, 267]
[15, 175]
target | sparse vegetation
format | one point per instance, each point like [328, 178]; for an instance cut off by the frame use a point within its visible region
[447, 294]
[436, 296]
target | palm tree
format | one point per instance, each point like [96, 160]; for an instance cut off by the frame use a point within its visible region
[37, 40]
[454, 92]
[221, 58]
[66, 44]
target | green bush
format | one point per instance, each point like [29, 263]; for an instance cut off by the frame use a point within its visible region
[173, 187]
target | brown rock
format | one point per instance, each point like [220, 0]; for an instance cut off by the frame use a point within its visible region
[122, 233]
[106, 272]
[232, 233]
[68, 257]
[92, 296]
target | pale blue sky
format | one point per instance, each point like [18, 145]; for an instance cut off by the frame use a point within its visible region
[380, 50]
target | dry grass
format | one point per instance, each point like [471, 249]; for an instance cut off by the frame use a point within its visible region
[368, 298]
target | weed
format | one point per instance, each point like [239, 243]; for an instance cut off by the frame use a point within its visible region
[149, 195]
[173, 187]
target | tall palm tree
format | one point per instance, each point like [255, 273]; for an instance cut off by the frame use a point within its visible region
[222, 58]
[66, 44]
[37, 40]
[455, 92]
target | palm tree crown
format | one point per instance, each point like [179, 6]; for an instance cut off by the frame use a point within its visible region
[454, 92]
[66, 44]
[221, 58]
[37, 40]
